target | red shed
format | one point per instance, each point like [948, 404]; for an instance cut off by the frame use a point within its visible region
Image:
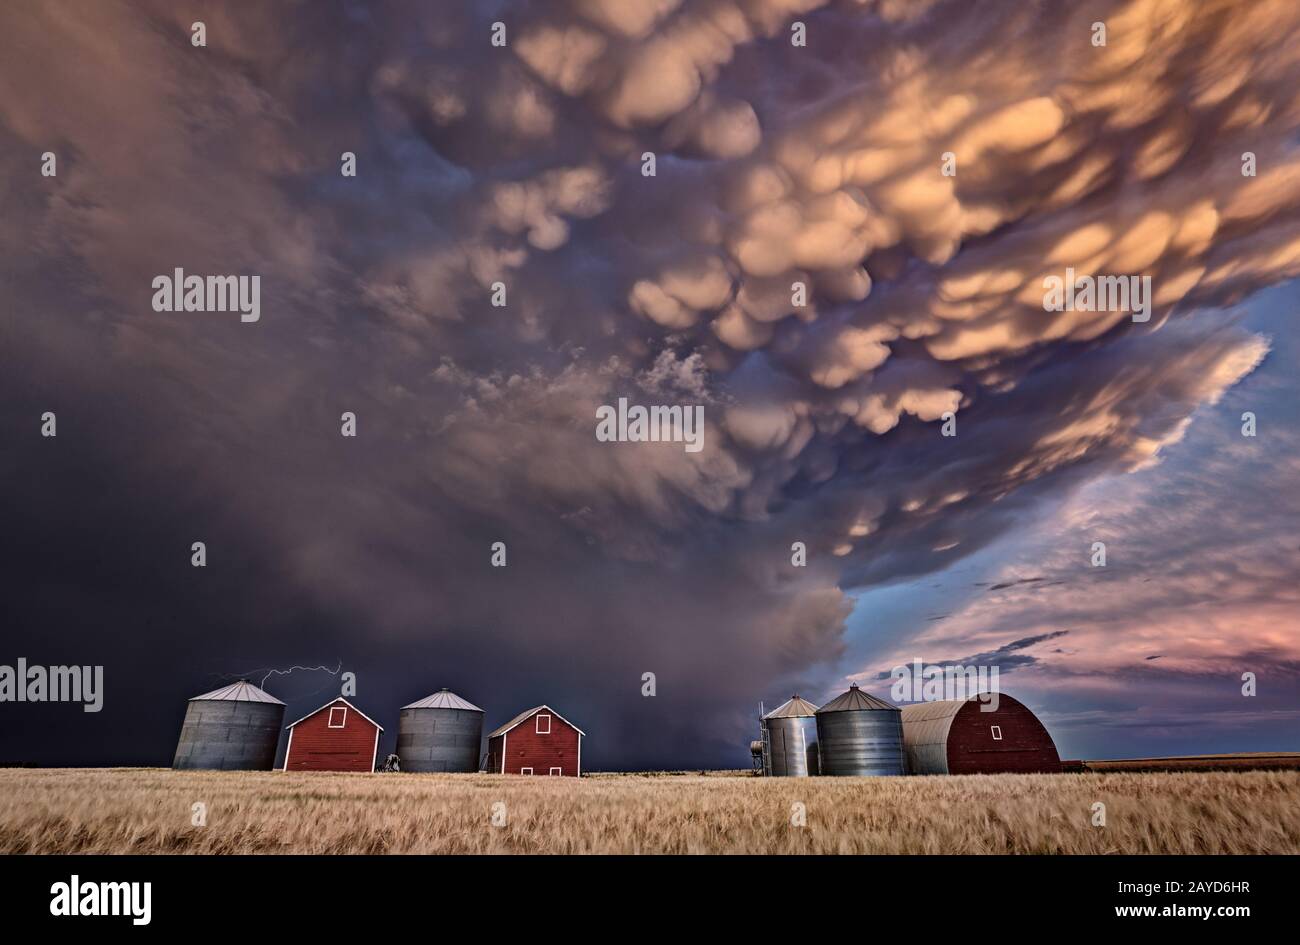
[539, 741]
[958, 737]
[336, 737]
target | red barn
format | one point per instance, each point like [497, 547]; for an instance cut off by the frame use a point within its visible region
[958, 737]
[336, 737]
[539, 741]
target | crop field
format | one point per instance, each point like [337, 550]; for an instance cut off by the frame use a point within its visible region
[145, 810]
[1245, 761]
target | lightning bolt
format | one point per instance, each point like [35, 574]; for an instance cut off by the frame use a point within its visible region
[306, 669]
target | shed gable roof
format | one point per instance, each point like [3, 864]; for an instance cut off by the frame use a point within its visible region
[529, 713]
[335, 702]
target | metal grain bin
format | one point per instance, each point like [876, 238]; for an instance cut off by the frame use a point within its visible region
[860, 735]
[792, 739]
[235, 728]
[442, 732]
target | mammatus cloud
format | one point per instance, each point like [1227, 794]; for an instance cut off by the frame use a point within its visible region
[776, 165]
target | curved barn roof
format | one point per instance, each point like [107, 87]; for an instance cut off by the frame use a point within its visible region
[855, 700]
[242, 691]
[796, 708]
[443, 699]
[928, 723]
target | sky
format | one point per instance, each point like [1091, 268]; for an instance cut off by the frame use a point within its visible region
[920, 167]
[1143, 657]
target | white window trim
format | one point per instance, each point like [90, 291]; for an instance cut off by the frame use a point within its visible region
[555, 771]
[525, 770]
[538, 729]
[329, 723]
[997, 732]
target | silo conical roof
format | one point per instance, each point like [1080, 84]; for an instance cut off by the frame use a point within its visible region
[443, 699]
[242, 691]
[855, 700]
[796, 708]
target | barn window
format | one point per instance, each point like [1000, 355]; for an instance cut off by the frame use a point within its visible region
[997, 732]
[543, 725]
[525, 770]
[555, 771]
[338, 717]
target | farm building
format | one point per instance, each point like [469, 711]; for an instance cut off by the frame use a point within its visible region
[235, 728]
[441, 732]
[956, 737]
[537, 741]
[859, 735]
[790, 737]
[336, 737]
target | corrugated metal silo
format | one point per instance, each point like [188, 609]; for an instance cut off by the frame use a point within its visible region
[860, 735]
[441, 732]
[235, 728]
[792, 739]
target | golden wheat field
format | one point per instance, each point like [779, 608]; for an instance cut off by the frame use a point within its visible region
[144, 810]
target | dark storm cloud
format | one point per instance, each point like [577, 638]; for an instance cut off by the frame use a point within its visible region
[1006, 657]
[521, 165]
[1003, 585]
